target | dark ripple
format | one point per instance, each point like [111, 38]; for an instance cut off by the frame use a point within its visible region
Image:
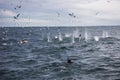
[29, 62]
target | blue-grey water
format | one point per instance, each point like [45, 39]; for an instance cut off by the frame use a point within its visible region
[44, 57]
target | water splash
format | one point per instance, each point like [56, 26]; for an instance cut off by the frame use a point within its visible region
[48, 37]
[105, 34]
[96, 38]
[67, 35]
[76, 33]
[86, 35]
[56, 37]
[73, 38]
[4, 44]
[60, 37]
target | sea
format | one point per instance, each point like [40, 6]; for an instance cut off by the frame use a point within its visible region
[42, 53]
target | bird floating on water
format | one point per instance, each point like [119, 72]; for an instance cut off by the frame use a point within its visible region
[23, 41]
[69, 61]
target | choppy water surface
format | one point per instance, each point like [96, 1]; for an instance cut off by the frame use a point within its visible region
[44, 56]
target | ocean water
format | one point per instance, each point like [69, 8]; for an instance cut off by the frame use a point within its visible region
[41, 53]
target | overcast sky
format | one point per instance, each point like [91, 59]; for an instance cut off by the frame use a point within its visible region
[56, 12]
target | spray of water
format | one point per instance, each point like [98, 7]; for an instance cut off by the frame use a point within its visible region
[76, 33]
[96, 38]
[86, 35]
[48, 37]
[105, 34]
[73, 38]
[60, 37]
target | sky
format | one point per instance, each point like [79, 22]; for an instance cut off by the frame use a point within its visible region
[59, 12]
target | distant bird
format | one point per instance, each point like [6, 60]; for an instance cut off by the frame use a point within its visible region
[97, 13]
[15, 8]
[16, 17]
[19, 6]
[23, 41]
[72, 15]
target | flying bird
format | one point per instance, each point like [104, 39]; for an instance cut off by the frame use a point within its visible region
[18, 7]
[16, 17]
[72, 15]
[97, 13]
